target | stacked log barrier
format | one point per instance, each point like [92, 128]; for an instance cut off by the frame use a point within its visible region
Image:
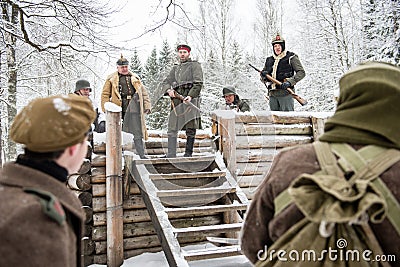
[249, 141]
[80, 184]
[139, 235]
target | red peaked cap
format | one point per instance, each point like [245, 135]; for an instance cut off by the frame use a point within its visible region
[183, 47]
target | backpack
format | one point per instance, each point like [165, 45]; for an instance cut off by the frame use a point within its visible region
[338, 202]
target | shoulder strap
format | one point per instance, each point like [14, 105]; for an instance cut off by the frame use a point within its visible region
[368, 163]
[328, 165]
[50, 204]
[326, 159]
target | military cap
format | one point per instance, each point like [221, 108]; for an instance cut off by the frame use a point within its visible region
[122, 61]
[82, 84]
[53, 123]
[278, 39]
[229, 90]
[183, 47]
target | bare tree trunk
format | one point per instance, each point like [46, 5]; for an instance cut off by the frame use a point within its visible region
[12, 73]
[1, 144]
[266, 27]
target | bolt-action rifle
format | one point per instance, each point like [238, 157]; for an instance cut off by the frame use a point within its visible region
[181, 97]
[299, 99]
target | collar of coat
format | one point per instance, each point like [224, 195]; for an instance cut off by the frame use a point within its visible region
[113, 77]
[275, 66]
[14, 174]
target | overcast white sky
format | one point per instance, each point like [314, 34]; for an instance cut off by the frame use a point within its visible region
[138, 15]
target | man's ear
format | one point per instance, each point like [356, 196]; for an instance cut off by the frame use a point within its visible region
[72, 150]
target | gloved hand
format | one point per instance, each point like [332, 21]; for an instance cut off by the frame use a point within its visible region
[263, 76]
[285, 85]
[101, 128]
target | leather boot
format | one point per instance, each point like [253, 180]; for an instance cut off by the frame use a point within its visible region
[189, 146]
[139, 147]
[172, 140]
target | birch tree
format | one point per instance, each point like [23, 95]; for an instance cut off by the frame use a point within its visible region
[332, 34]
[265, 26]
[48, 35]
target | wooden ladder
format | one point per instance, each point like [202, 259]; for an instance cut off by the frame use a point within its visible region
[185, 188]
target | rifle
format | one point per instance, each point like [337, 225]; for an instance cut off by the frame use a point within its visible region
[299, 99]
[181, 97]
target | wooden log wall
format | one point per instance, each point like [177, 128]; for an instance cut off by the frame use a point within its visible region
[250, 141]
[139, 235]
[80, 184]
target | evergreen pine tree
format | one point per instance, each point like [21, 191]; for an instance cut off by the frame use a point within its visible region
[136, 64]
[158, 118]
[166, 59]
[381, 30]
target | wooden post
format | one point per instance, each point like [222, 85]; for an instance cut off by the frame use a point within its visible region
[317, 126]
[226, 126]
[115, 248]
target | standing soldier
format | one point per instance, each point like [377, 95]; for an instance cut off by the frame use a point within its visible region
[82, 88]
[41, 219]
[185, 79]
[285, 66]
[125, 89]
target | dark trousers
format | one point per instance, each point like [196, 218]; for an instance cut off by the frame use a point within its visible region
[281, 103]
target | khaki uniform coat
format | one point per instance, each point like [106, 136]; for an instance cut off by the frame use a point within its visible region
[262, 229]
[29, 237]
[111, 94]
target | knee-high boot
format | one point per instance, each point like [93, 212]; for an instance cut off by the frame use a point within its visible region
[189, 146]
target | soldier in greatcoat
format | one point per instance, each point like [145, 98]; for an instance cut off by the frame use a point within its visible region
[125, 89]
[41, 220]
[186, 79]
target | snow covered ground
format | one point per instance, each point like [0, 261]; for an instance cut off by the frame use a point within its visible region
[158, 260]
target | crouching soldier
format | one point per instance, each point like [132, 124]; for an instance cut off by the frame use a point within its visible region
[233, 101]
[41, 220]
[82, 88]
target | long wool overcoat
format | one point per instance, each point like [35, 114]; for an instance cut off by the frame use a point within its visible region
[30, 237]
[187, 79]
[111, 93]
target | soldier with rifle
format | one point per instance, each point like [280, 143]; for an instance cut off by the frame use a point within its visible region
[183, 84]
[285, 67]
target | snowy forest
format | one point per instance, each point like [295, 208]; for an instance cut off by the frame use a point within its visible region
[47, 45]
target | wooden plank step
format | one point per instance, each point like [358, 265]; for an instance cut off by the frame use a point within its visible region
[211, 253]
[205, 209]
[153, 161]
[195, 191]
[186, 175]
[208, 229]
[223, 240]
